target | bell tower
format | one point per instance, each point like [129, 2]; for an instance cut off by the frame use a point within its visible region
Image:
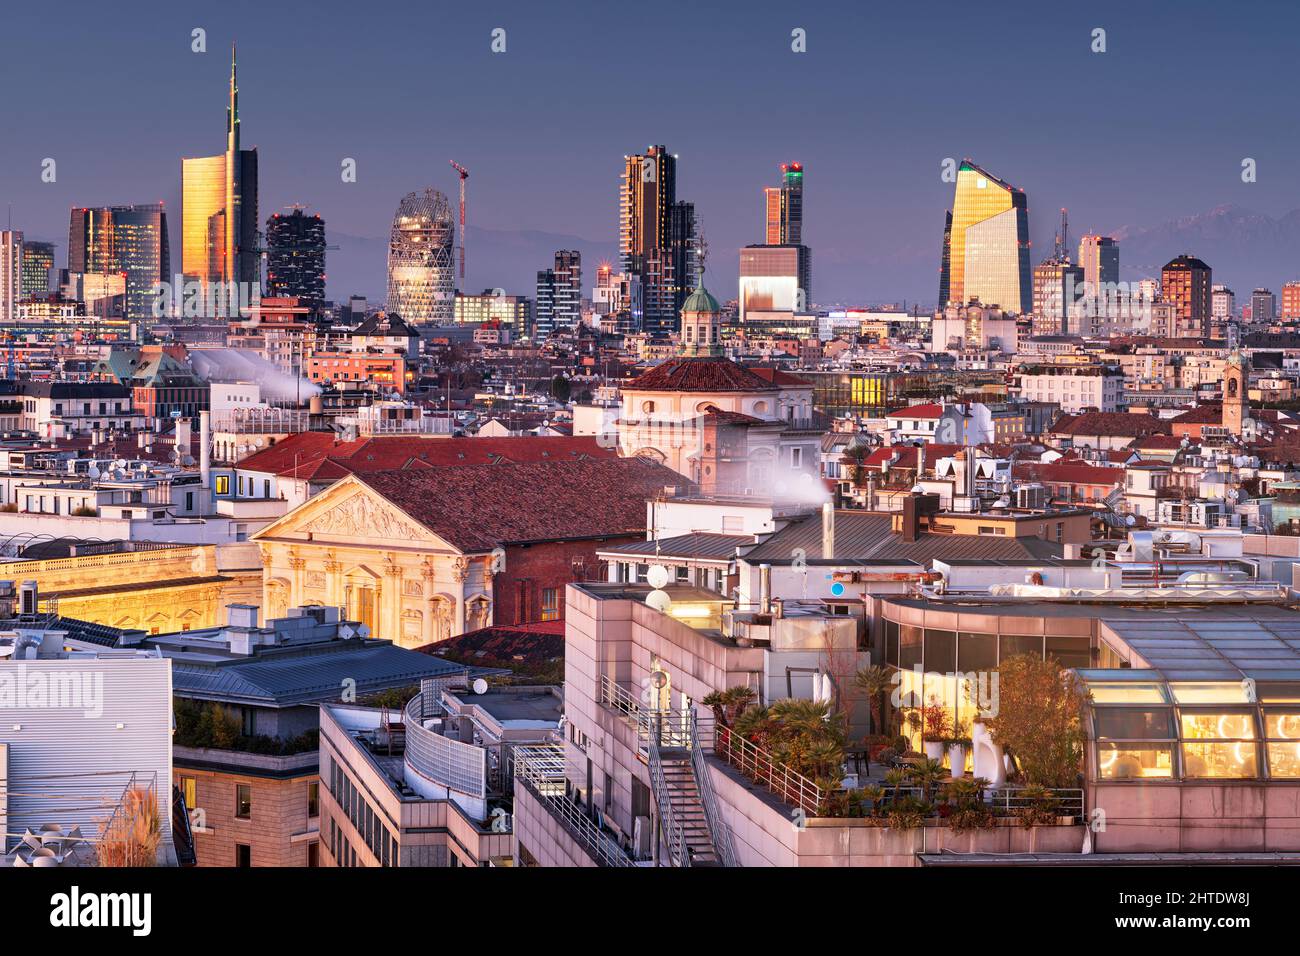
[1236, 378]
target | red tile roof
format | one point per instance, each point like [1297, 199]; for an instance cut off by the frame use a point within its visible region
[700, 375]
[1115, 424]
[479, 507]
[926, 410]
[779, 377]
[319, 455]
[907, 455]
[1200, 415]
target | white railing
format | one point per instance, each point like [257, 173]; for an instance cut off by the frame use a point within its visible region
[541, 770]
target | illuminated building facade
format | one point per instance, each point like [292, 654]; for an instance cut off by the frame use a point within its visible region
[774, 280]
[783, 208]
[130, 241]
[1185, 283]
[658, 238]
[11, 270]
[219, 208]
[1099, 259]
[295, 258]
[513, 311]
[38, 261]
[986, 243]
[421, 271]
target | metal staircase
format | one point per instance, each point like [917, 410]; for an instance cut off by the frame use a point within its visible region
[692, 832]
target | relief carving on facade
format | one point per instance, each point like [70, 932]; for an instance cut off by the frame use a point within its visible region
[361, 517]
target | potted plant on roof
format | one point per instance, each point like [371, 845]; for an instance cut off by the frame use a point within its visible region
[959, 744]
[935, 726]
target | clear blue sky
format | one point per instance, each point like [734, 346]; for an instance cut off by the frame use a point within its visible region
[1153, 129]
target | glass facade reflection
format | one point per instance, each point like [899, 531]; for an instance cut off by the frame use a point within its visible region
[986, 244]
[421, 276]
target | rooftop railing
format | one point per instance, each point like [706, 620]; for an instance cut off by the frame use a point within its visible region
[541, 770]
[760, 766]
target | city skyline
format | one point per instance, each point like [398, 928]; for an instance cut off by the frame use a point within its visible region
[872, 245]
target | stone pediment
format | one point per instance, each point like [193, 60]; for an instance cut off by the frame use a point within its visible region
[362, 516]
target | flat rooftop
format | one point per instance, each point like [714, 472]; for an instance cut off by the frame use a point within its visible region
[523, 705]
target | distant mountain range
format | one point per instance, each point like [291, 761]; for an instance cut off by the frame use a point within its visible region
[1245, 249]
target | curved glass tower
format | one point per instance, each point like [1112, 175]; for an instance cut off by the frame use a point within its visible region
[986, 244]
[421, 273]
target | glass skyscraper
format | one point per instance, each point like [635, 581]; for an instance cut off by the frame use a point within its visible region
[219, 208]
[783, 208]
[658, 237]
[123, 240]
[38, 261]
[986, 244]
[421, 270]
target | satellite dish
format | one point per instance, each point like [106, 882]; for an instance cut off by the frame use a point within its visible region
[659, 600]
[92, 471]
[479, 686]
[657, 576]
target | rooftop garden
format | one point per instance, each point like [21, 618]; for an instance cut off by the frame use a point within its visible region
[797, 750]
[209, 726]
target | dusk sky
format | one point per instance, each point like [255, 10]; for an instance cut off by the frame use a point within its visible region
[1152, 130]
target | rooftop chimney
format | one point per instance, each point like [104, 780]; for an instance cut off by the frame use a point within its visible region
[828, 531]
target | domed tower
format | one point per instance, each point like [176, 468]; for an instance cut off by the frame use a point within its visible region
[701, 324]
[1236, 379]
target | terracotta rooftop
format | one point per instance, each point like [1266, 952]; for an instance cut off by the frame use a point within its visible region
[700, 375]
[479, 507]
[1116, 424]
[1067, 472]
[321, 455]
[926, 410]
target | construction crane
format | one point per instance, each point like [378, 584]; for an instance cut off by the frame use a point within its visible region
[464, 175]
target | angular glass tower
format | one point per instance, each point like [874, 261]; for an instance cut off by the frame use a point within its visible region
[421, 270]
[986, 244]
[123, 240]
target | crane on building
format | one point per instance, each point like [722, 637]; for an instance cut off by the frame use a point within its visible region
[464, 175]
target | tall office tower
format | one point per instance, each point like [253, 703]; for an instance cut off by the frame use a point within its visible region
[1223, 304]
[986, 244]
[123, 240]
[1099, 259]
[219, 208]
[770, 280]
[783, 206]
[657, 237]
[1290, 301]
[421, 269]
[1058, 286]
[544, 305]
[567, 311]
[295, 257]
[11, 273]
[38, 263]
[1185, 282]
[1263, 306]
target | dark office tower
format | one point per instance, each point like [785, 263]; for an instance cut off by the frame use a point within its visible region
[295, 257]
[783, 206]
[684, 241]
[567, 309]
[123, 240]
[38, 261]
[986, 244]
[647, 198]
[1185, 283]
[544, 310]
[219, 207]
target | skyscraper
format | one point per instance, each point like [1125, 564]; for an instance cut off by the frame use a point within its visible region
[986, 243]
[559, 295]
[38, 261]
[1185, 283]
[658, 237]
[783, 207]
[1099, 259]
[11, 273]
[1263, 306]
[295, 257]
[123, 240]
[421, 270]
[219, 207]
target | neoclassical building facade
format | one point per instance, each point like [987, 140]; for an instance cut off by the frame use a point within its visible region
[351, 547]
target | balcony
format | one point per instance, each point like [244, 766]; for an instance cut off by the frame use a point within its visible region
[540, 772]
